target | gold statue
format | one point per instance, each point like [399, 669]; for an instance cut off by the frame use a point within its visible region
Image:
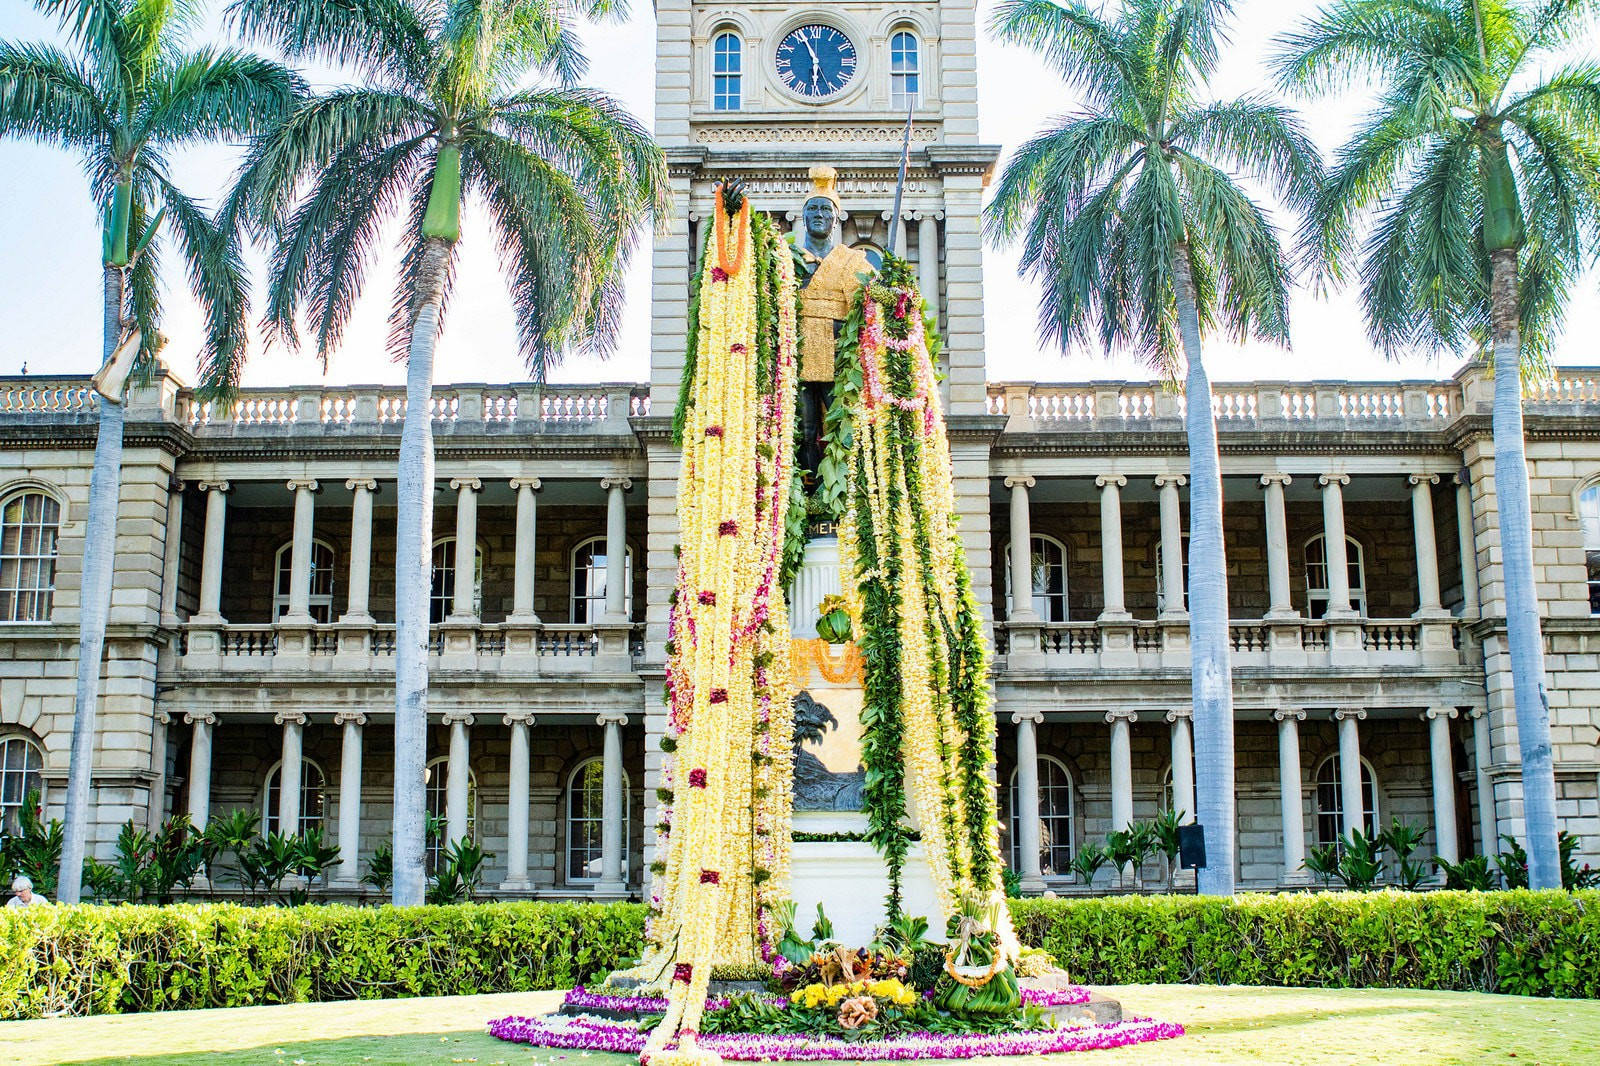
[830, 273]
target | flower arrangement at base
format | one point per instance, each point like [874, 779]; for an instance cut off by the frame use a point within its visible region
[978, 977]
[833, 620]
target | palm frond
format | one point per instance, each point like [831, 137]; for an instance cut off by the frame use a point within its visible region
[1242, 250]
[94, 24]
[1260, 138]
[1070, 159]
[217, 95]
[1086, 51]
[406, 302]
[48, 96]
[387, 41]
[1349, 40]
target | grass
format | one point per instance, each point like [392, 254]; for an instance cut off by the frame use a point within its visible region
[1230, 1025]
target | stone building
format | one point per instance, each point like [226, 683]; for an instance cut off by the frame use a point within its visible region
[250, 654]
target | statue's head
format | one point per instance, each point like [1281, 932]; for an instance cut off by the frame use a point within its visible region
[819, 216]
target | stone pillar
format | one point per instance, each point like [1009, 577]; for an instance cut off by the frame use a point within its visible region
[211, 555]
[1290, 796]
[928, 260]
[358, 611]
[1350, 793]
[1172, 583]
[522, 611]
[171, 556]
[464, 607]
[1334, 546]
[517, 805]
[200, 768]
[294, 726]
[458, 779]
[1427, 544]
[1121, 723]
[350, 724]
[1021, 607]
[299, 612]
[1281, 604]
[616, 548]
[612, 876]
[1029, 844]
[1110, 486]
[1183, 801]
[1469, 547]
[1444, 782]
[1482, 756]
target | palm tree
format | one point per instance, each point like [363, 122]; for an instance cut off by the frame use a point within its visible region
[454, 100]
[1477, 175]
[129, 92]
[1142, 239]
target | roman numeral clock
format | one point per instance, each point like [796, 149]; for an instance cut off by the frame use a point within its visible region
[815, 61]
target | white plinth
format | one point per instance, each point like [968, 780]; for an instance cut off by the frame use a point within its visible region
[851, 881]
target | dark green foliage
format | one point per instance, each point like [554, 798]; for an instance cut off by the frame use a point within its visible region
[34, 851]
[460, 873]
[107, 960]
[1404, 840]
[1323, 861]
[1470, 874]
[1360, 860]
[1087, 862]
[1512, 863]
[1524, 943]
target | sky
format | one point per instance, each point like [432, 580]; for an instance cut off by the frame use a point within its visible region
[50, 246]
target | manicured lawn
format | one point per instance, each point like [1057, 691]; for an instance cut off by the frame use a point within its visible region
[1294, 1027]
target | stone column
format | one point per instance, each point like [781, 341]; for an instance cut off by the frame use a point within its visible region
[1469, 547]
[612, 876]
[294, 726]
[1427, 544]
[358, 611]
[458, 780]
[517, 805]
[1290, 795]
[1482, 756]
[928, 259]
[1183, 800]
[1172, 583]
[1029, 844]
[1110, 486]
[1121, 722]
[350, 723]
[211, 555]
[616, 548]
[171, 556]
[299, 612]
[200, 768]
[1021, 607]
[522, 611]
[1281, 604]
[464, 607]
[1444, 782]
[1350, 792]
[1334, 546]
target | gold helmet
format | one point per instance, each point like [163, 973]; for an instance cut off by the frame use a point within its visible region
[825, 185]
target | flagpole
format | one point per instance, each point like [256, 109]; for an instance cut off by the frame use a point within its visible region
[900, 185]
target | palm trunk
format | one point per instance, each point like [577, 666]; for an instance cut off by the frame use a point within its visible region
[1211, 672]
[412, 581]
[1524, 641]
[94, 605]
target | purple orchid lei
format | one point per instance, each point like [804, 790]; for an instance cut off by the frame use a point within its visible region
[1071, 996]
[583, 999]
[592, 1034]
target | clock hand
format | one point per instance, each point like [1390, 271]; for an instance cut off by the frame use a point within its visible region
[816, 63]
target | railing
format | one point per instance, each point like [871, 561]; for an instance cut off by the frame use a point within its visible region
[1387, 635]
[249, 640]
[555, 644]
[546, 407]
[1249, 636]
[46, 395]
[1070, 638]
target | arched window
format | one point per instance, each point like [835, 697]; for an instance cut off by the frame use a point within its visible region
[1049, 578]
[436, 780]
[586, 821]
[321, 581]
[21, 776]
[589, 581]
[1055, 819]
[905, 69]
[727, 72]
[1161, 584]
[1589, 519]
[313, 798]
[442, 597]
[1330, 801]
[30, 523]
[1317, 575]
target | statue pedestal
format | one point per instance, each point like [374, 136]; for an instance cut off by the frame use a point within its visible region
[851, 880]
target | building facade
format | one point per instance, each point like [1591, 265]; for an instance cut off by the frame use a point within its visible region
[250, 654]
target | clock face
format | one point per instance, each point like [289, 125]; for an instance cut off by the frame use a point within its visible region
[816, 61]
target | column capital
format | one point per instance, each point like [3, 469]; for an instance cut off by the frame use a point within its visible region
[531, 483]
[176, 484]
[349, 718]
[470, 483]
[611, 718]
[1176, 713]
[452, 717]
[1461, 478]
[212, 486]
[289, 718]
[1102, 480]
[623, 483]
[1333, 479]
[1028, 714]
[1440, 712]
[1163, 480]
[1476, 713]
[1020, 481]
[1417, 479]
[205, 718]
[370, 484]
[1283, 714]
[1357, 713]
[1276, 478]
[1122, 714]
[517, 718]
[295, 484]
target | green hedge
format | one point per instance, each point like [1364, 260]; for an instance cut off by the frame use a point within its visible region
[106, 960]
[1526, 943]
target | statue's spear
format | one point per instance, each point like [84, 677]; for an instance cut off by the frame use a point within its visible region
[900, 185]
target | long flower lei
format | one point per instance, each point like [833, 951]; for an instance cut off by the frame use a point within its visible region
[927, 730]
[727, 791]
